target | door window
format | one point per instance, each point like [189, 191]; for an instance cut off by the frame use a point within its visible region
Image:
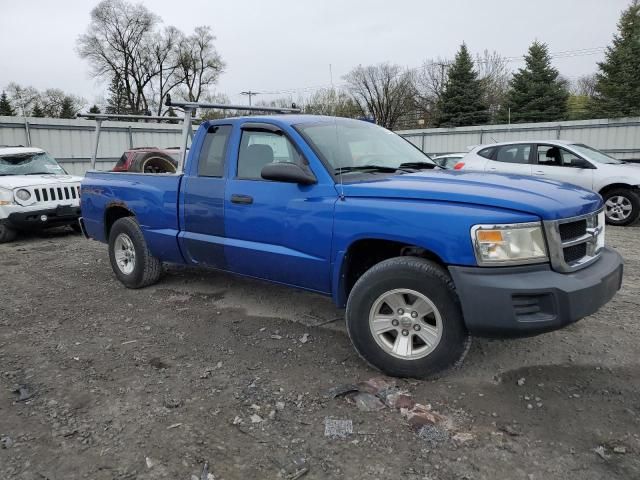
[487, 152]
[211, 162]
[258, 148]
[518, 153]
[553, 156]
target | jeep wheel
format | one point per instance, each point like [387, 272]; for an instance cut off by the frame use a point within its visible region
[7, 234]
[130, 257]
[404, 318]
[621, 206]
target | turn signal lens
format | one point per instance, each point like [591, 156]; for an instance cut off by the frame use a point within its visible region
[458, 166]
[493, 236]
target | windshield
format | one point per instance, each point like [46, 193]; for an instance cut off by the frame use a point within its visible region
[349, 144]
[30, 164]
[594, 154]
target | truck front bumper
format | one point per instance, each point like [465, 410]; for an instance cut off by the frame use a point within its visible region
[37, 219]
[528, 300]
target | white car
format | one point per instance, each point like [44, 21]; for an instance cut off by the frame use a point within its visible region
[35, 192]
[565, 161]
[448, 160]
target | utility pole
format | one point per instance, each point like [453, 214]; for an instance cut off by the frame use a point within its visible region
[249, 94]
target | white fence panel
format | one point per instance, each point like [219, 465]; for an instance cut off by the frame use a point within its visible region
[618, 137]
[72, 141]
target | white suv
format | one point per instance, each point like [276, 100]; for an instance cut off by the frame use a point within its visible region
[35, 192]
[565, 161]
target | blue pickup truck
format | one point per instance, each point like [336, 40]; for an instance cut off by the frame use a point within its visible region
[422, 258]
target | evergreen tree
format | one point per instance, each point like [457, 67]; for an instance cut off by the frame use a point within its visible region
[172, 113]
[618, 81]
[117, 100]
[461, 102]
[37, 111]
[537, 93]
[5, 106]
[94, 109]
[67, 109]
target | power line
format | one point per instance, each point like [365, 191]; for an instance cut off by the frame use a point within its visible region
[555, 55]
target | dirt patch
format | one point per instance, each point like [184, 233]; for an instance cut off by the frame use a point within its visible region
[205, 368]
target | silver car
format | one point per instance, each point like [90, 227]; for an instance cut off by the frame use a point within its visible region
[565, 161]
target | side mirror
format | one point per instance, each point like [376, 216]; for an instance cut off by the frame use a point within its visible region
[287, 172]
[580, 163]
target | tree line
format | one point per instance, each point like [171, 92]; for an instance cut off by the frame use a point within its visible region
[143, 62]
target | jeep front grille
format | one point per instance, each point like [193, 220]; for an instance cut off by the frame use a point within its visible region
[575, 242]
[53, 194]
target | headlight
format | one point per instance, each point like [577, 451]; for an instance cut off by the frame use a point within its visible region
[6, 196]
[23, 194]
[513, 244]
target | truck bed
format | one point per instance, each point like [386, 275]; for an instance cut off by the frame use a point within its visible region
[152, 198]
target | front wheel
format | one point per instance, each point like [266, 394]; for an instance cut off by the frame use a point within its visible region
[130, 258]
[621, 206]
[7, 234]
[404, 318]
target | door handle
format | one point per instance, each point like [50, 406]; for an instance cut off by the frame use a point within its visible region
[538, 172]
[492, 169]
[241, 199]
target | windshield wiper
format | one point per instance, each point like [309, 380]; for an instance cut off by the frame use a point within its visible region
[364, 168]
[418, 165]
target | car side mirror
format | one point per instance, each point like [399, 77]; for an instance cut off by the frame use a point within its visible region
[580, 163]
[287, 172]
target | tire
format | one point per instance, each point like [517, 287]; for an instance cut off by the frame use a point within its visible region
[401, 276]
[621, 206]
[130, 257]
[153, 162]
[7, 234]
[76, 227]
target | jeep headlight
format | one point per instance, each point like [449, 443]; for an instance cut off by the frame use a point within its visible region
[6, 196]
[509, 244]
[23, 195]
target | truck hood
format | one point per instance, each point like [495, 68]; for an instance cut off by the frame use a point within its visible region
[17, 181]
[547, 199]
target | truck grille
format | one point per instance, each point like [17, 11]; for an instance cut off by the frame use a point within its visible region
[575, 242]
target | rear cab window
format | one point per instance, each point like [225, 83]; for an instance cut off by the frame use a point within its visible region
[211, 161]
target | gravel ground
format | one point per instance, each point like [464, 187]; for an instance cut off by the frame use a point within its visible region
[209, 376]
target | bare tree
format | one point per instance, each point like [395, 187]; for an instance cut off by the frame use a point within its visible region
[584, 86]
[330, 101]
[384, 91]
[118, 44]
[199, 63]
[25, 98]
[430, 81]
[494, 76]
[55, 102]
[165, 51]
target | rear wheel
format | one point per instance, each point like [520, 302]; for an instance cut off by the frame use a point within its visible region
[404, 318]
[621, 206]
[130, 258]
[7, 234]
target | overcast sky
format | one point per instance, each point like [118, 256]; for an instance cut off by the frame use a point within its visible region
[284, 45]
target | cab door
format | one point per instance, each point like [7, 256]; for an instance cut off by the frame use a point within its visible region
[275, 230]
[514, 158]
[557, 163]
